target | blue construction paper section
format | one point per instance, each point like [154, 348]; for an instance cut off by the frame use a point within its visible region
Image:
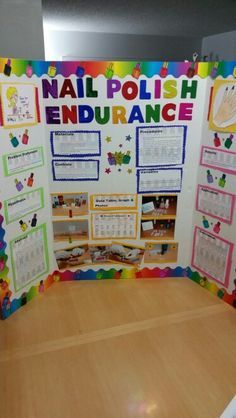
[160, 190]
[73, 179]
[155, 127]
[52, 139]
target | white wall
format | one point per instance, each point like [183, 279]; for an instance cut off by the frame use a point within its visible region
[222, 45]
[21, 29]
[104, 46]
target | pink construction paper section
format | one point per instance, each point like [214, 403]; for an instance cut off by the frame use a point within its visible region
[228, 261]
[224, 170]
[229, 222]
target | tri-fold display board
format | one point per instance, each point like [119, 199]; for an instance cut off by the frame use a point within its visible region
[116, 170]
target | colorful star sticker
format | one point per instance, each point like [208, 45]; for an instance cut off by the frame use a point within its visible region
[108, 139]
[128, 138]
[107, 170]
[129, 171]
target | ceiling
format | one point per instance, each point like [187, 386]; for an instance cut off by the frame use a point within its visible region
[186, 18]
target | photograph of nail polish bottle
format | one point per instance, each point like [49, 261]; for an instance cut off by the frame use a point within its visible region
[216, 228]
[205, 222]
[222, 180]
[30, 180]
[109, 71]
[167, 204]
[19, 185]
[209, 177]
[52, 69]
[80, 71]
[162, 204]
[217, 141]
[25, 137]
[23, 225]
[136, 71]
[164, 70]
[191, 70]
[34, 220]
[214, 70]
[228, 142]
[7, 68]
[29, 69]
[14, 140]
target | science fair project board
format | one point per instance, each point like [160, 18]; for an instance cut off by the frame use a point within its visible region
[99, 174]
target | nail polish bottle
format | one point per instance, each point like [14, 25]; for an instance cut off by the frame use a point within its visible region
[167, 205]
[222, 180]
[164, 70]
[216, 228]
[70, 213]
[52, 69]
[214, 70]
[209, 177]
[80, 71]
[25, 137]
[162, 204]
[217, 141]
[191, 70]
[2, 264]
[23, 225]
[41, 286]
[228, 142]
[30, 180]
[19, 185]
[7, 68]
[29, 69]
[126, 158]
[136, 71]
[14, 140]
[34, 220]
[109, 71]
[111, 158]
[205, 222]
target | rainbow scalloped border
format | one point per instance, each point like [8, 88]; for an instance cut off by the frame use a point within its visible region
[145, 273]
[119, 68]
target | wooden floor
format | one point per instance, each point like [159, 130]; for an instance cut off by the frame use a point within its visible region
[119, 349]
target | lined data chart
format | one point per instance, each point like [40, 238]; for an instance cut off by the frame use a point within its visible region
[75, 143]
[29, 256]
[160, 146]
[212, 256]
[114, 225]
[74, 170]
[215, 203]
[161, 180]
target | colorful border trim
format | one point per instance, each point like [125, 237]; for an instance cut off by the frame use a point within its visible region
[122, 274]
[117, 68]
